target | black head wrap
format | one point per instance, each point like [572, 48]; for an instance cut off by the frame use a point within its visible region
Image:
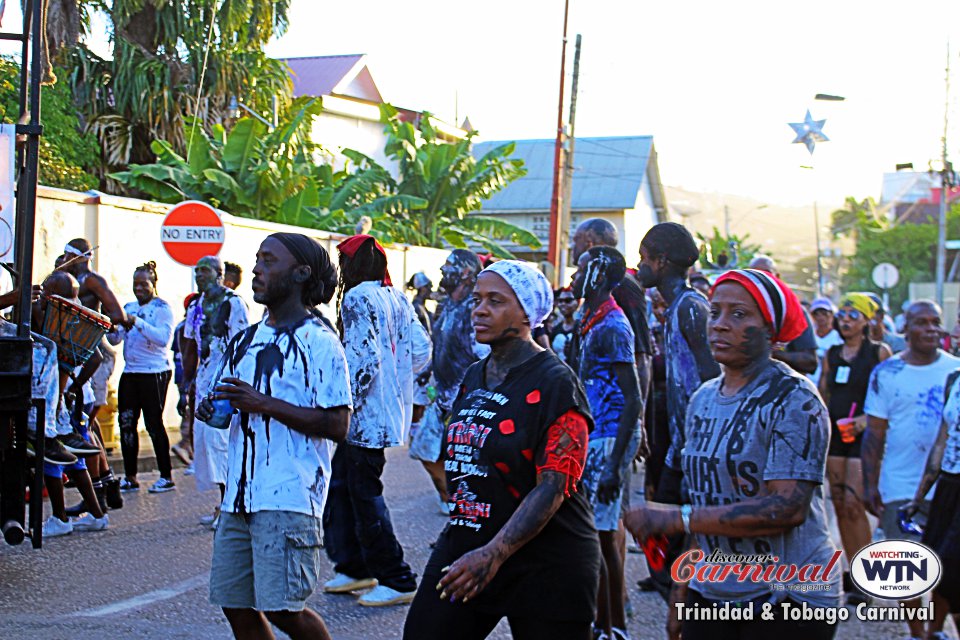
[323, 275]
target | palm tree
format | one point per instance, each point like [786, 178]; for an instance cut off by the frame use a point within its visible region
[177, 61]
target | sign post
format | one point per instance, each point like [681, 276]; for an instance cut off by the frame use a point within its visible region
[191, 231]
[886, 276]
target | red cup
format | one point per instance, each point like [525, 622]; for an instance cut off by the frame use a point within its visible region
[846, 427]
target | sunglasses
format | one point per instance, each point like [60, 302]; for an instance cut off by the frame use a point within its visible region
[852, 314]
[566, 300]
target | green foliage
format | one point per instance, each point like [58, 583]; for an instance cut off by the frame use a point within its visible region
[252, 172]
[910, 247]
[65, 151]
[735, 250]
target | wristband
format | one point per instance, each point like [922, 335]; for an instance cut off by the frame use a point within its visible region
[685, 511]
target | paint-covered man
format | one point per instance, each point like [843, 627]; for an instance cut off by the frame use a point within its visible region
[385, 345]
[455, 348]
[213, 320]
[287, 378]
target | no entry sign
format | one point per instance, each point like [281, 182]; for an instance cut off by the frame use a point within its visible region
[191, 231]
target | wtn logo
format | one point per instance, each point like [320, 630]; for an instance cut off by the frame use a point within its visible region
[895, 569]
[903, 570]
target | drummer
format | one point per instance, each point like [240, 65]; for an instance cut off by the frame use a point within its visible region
[64, 285]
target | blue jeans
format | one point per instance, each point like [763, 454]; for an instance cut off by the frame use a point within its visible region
[357, 531]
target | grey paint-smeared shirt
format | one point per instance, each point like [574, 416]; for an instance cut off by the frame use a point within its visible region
[775, 428]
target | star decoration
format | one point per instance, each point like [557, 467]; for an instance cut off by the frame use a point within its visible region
[809, 132]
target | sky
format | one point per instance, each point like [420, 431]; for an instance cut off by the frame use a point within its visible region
[715, 83]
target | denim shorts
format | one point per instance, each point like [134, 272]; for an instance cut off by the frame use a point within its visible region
[267, 561]
[607, 516]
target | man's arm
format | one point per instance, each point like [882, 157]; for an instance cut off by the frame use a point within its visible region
[109, 305]
[331, 423]
[932, 471]
[871, 457]
[802, 361]
[694, 313]
[159, 333]
[611, 480]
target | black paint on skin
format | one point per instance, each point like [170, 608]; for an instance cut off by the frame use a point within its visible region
[269, 360]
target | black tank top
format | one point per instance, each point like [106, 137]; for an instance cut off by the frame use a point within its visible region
[843, 395]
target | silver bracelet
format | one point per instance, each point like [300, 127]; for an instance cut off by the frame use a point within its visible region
[685, 511]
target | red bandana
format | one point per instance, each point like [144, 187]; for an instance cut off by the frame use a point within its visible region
[591, 321]
[349, 248]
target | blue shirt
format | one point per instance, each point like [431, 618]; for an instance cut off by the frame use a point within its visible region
[609, 342]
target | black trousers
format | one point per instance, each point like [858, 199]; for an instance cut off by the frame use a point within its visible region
[357, 531]
[143, 393]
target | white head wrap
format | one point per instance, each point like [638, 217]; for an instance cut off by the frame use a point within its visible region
[530, 286]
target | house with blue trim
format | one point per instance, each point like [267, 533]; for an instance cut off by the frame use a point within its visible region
[616, 178]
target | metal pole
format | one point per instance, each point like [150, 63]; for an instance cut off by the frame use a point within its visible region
[553, 252]
[944, 182]
[568, 168]
[816, 222]
[726, 221]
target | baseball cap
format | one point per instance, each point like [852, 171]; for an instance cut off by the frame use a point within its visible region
[825, 304]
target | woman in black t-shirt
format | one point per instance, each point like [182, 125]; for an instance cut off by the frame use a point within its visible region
[843, 385]
[520, 542]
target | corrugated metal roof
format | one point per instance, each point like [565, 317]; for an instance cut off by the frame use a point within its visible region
[319, 75]
[608, 174]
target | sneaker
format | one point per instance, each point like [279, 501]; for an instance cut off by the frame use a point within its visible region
[162, 486]
[111, 490]
[87, 522]
[189, 471]
[619, 634]
[182, 454]
[209, 520]
[128, 486]
[54, 527]
[382, 596]
[342, 583]
[76, 445]
[443, 506]
[215, 523]
[53, 452]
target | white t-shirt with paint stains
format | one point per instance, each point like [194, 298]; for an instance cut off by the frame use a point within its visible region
[385, 346]
[270, 466]
[910, 398]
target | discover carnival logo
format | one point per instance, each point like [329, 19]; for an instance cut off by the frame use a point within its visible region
[895, 569]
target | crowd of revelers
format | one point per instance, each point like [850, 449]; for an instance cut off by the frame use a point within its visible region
[528, 408]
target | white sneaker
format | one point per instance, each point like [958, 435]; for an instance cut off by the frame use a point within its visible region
[382, 596]
[54, 527]
[209, 519]
[87, 522]
[443, 506]
[342, 583]
[189, 470]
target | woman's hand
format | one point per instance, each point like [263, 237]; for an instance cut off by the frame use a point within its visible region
[653, 519]
[468, 576]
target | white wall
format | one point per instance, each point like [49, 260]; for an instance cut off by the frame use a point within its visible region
[336, 132]
[127, 232]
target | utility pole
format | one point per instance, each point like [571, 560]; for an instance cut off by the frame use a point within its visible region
[553, 250]
[945, 173]
[726, 221]
[816, 224]
[568, 168]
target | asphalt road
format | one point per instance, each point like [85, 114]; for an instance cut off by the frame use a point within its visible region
[146, 576]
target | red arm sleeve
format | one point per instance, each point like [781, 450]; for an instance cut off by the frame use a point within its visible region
[566, 448]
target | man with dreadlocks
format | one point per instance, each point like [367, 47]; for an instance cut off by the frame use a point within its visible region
[385, 346]
[608, 372]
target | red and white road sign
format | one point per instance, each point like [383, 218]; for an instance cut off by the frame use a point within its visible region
[191, 231]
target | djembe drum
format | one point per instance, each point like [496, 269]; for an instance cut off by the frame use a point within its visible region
[75, 329]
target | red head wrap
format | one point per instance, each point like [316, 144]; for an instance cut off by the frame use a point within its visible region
[778, 303]
[350, 246]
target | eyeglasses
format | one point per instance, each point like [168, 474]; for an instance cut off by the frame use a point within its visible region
[853, 314]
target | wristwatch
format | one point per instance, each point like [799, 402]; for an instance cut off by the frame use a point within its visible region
[685, 511]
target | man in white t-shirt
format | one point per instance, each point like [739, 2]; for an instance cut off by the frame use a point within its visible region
[385, 345]
[822, 310]
[287, 377]
[904, 407]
